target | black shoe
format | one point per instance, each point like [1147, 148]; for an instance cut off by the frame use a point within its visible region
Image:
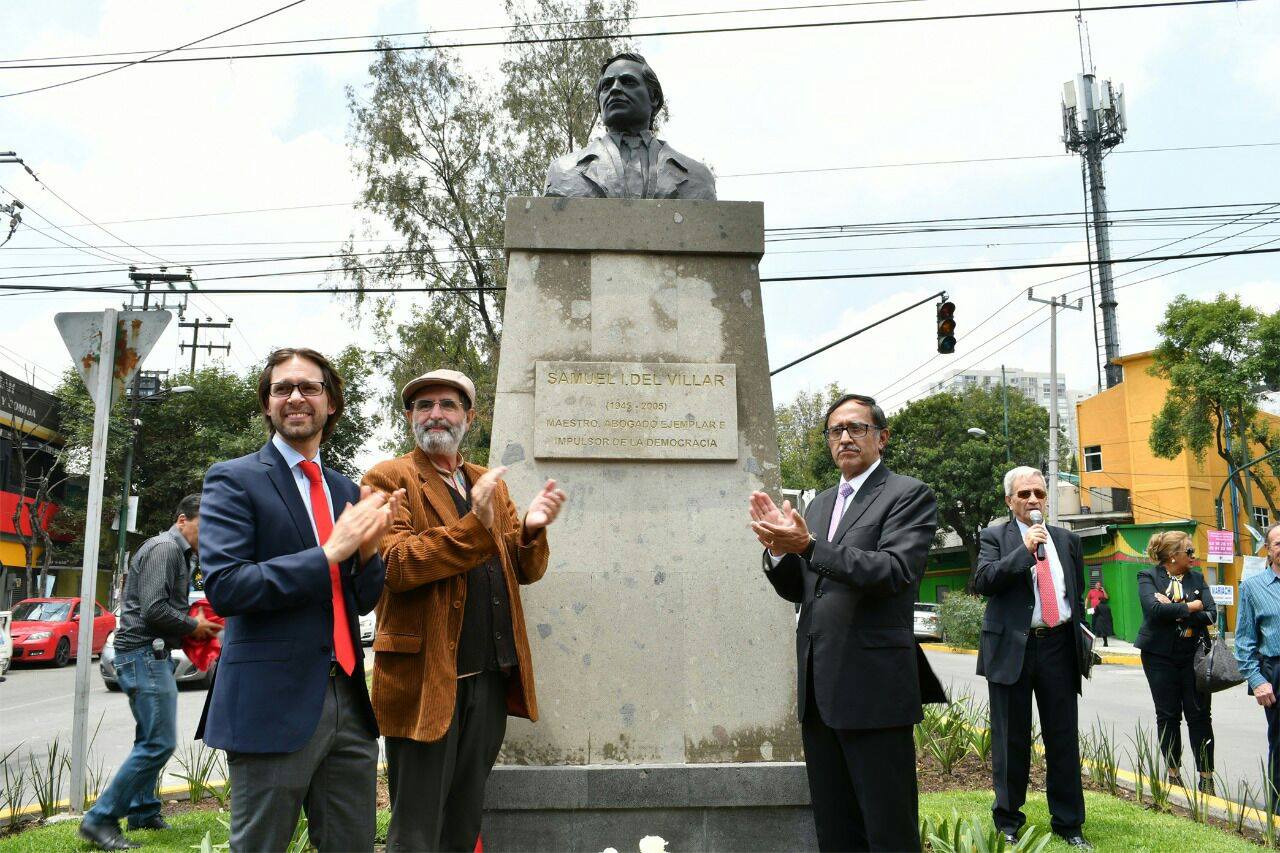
[1076, 841]
[1206, 785]
[105, 836]
[153, 822]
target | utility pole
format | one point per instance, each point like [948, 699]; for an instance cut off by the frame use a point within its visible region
[1054, 303]
[1093, 122]
[195, 326]
[144, 281]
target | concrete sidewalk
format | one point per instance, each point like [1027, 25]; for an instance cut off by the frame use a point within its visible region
[1117, 651]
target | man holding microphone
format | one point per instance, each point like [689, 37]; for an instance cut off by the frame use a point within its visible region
[1032, 576]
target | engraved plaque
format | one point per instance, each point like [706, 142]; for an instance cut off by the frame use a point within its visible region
[635, 410]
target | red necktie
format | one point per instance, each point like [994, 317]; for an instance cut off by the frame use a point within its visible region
[1048, 595]
[343, 651]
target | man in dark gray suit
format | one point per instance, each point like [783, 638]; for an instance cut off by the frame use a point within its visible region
[1033, 577]
[629, 161]
[862, 677]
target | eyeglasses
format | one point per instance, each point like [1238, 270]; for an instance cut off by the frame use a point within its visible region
[857, 429]
[446, 405]
[309, 388]
[1025, 494]
[1191, 552]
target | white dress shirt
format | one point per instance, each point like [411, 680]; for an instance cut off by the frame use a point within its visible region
[292, 458]
[856, 483]
[1059, 583]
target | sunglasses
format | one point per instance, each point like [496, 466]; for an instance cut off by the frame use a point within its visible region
[1025, 494]
[1191, 552]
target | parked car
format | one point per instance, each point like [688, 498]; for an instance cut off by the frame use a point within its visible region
[368, 627]
[47, 629]
[184, 673]
[926, 619]
[6, 642]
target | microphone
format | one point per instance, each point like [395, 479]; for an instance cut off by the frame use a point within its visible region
[1037, 517]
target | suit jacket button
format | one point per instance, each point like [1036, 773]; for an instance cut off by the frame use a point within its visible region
[453, 646]
[818, 594]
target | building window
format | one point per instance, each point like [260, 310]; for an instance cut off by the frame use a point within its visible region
[1261, 519]
[1093, 457]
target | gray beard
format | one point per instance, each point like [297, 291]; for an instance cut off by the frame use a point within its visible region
[438, 443]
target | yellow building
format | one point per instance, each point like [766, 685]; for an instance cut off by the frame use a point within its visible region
[1118, 471]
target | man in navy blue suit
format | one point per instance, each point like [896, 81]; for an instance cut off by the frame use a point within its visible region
[289, 552]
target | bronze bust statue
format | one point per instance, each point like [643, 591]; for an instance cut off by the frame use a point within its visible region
[628, 161]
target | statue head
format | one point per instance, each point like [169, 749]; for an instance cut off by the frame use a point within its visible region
[628, 93]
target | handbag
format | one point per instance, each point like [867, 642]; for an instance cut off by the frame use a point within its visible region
[1215, 665]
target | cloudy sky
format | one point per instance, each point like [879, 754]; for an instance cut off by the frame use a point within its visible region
[204, 161]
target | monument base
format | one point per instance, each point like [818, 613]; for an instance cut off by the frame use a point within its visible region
[705, 807]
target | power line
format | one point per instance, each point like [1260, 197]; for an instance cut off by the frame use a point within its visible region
[155, 58]
[1003, 159]
[1001, 267]
[530, 25]
[1016, 13]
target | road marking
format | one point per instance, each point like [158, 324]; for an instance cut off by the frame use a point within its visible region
[38, 702]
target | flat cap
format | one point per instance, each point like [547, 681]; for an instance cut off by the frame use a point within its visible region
[452, 378]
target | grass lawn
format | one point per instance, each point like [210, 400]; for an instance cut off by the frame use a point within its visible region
[1113, 825]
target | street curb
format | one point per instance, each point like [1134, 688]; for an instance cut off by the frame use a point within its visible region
[1120, 660]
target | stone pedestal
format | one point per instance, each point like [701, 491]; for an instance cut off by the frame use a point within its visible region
[634, 372]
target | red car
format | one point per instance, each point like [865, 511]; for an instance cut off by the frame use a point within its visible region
[47, 629]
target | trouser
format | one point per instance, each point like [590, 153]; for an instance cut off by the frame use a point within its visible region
[1173, 690]
[153, 699]
[437, 788]
[1271, 671]
[1049, 671]
[333, 778]
[862, 783]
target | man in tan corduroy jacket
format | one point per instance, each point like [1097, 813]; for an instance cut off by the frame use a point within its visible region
[451, 653]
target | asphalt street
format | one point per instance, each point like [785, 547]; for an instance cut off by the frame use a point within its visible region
[1118, 696]
[36, 705]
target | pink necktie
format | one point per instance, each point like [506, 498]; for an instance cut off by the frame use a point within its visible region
[845, 491]
[1048, 595]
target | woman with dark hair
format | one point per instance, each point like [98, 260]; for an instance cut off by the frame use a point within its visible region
[1177, 611]
[1100, 610]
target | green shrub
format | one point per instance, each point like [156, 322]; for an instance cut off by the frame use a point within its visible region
[961, 618]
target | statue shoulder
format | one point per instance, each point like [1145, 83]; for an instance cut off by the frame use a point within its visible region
[593, 150]
[693, 167]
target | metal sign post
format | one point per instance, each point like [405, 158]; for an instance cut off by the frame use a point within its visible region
[107, 348]
[89, 575]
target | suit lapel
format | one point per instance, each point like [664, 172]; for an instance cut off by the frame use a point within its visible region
[864, 497]
[605, 171]
[1012, 541]
[818, 515]
[282, 478]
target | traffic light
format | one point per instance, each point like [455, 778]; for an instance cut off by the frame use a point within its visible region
[946, 327]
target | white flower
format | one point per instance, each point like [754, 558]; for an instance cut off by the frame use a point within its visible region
[653, 844]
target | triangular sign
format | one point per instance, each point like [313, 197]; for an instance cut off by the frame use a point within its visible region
[136, 333]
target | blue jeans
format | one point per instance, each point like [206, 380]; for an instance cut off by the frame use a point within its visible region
[153, 699]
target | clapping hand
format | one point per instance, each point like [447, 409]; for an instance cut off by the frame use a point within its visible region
[781, 530]
[543, 509]
[359, 527]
